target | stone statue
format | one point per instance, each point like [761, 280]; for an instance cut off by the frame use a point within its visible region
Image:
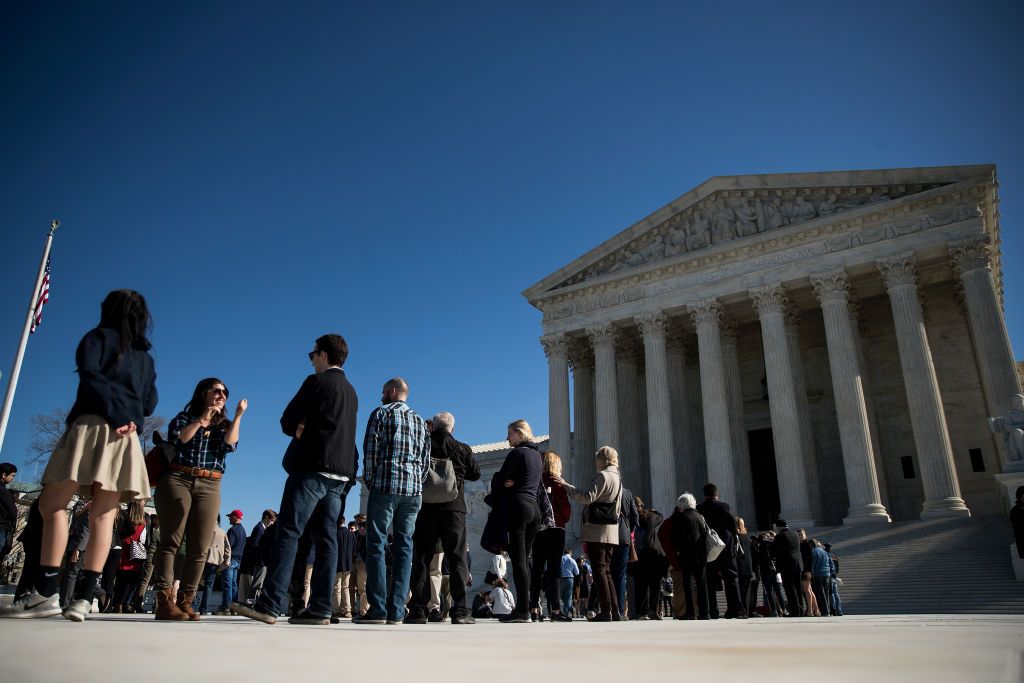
[829, 205]
[1011, 426]
[628, 259]
[773, 216]
[676, 241]
[700, 232]
[801, 210]
[725, 219]
[746, 219]
[654, 251]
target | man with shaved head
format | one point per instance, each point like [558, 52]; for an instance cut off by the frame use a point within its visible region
[396, 458]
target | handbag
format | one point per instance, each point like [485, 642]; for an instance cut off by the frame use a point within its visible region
[136, 550]
[633, 557]
[157, 460]
[441, 484]
[605, 513]
[713, 543]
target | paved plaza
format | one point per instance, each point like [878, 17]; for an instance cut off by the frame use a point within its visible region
[932, 648]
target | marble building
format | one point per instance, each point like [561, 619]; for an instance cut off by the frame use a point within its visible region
[823, 346]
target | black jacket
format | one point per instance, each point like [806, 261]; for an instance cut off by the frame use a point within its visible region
[721, 520]
[689, 540]
[745, 562]
[1017, 522]
[120, 390]
[786, 550]
[327, 404]
[629, 518]
[444, 446]
[8, 510]
[524, 466]
[346, 548]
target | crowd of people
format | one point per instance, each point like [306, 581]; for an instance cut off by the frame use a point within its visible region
[406, 560]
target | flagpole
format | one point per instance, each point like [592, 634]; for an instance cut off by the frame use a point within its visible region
[12, 384]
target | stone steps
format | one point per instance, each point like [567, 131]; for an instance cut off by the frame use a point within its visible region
[950, 566]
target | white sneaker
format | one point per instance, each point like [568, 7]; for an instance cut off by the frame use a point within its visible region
[77, 610]
[32, 605]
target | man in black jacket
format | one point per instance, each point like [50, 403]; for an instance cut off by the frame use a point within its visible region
[721, 520]
[8, 509]
[786, 549]
[445, 522]
[320, 461]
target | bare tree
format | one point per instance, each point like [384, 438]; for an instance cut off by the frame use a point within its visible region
[47, 429]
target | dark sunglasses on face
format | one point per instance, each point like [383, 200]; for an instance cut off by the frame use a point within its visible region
[218, 390]
[313, 353]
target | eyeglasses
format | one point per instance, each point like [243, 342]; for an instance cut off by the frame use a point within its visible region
[218, 390]
[313, 353]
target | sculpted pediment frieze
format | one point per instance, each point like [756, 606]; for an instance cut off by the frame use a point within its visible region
[734, 215]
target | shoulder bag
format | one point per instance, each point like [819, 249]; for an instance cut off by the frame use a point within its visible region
[441, 484]
[606, 513]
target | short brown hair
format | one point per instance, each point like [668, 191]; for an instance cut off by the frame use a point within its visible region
[335, 346]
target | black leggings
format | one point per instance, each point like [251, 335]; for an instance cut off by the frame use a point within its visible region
[523, 521]
[547, 567]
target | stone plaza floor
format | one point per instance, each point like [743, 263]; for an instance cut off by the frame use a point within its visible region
[866, 649]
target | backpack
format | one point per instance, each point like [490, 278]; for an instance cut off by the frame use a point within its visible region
[441, 485]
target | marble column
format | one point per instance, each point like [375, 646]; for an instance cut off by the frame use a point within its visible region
[972, 260]
[869, 400]
[556, 348]
[632, 458]
[659, 412]
[682, 449]
[770, 303]
[606, 395]
[707, 318]
[803, 409]
[744, 503]
[833, 291]
[931, 437]
[581, 466]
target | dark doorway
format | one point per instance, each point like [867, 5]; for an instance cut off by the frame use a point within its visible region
[766, 480]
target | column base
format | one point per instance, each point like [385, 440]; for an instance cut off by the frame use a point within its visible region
[866, 514]
[944, 507]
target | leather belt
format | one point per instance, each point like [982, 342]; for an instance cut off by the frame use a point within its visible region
[196, 472]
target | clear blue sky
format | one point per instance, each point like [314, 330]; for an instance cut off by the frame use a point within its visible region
[399, 172]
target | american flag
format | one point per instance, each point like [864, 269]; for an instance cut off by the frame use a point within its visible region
[44, 296]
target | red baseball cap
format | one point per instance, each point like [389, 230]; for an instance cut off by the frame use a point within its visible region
[235, 513]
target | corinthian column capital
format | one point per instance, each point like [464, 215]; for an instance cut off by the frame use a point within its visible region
[706, 312]
[555, 345]
[898, 271]
[973, 253]
[651, 324]
[601, 334]
[831, 285]
[769, 299]
[581, 355]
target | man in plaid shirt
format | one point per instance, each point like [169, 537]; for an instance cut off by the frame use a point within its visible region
[396, 458]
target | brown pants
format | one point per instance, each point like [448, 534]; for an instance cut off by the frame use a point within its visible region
[186, 505]
[601, 561]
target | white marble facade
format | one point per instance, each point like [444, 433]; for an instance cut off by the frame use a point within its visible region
[822, 346]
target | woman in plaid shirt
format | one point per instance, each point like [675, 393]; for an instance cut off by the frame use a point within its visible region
[188, 497]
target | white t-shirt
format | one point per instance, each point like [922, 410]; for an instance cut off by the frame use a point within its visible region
[503, 603]
[498, 566]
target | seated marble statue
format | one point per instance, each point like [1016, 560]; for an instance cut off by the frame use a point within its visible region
[1011, 426]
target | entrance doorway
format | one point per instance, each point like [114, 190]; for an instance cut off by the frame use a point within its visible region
[766, 480]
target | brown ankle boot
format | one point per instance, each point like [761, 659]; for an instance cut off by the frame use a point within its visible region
[165, 609]
[185, 604]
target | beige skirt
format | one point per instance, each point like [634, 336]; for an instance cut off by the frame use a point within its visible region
[91, 452]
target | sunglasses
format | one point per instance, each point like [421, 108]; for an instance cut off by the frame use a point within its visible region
[218, 390]
[313, 353]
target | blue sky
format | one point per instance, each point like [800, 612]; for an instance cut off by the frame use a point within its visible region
[399, 172]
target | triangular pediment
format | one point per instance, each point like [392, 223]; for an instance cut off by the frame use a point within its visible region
[733, 209]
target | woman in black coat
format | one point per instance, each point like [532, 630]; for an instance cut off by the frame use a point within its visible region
[689, 541]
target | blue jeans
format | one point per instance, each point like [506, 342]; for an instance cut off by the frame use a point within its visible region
[231, 583]
[209, 577]
[302, 492]
[566, 594]
[385, 510]
[837, 604]
[620, 558]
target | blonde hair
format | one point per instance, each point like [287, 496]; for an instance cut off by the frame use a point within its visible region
[552, 463]
[607, 457]
[522, 427]
[741, 525]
